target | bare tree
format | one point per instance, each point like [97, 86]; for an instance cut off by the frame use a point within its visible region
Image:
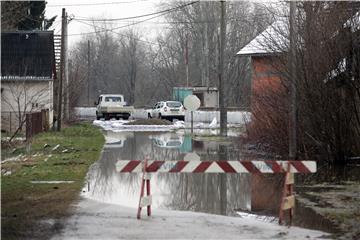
[327, 50]
[22, 97]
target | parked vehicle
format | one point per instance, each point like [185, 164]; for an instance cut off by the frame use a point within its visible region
[112, 106]
[168, 140]
[167, 110]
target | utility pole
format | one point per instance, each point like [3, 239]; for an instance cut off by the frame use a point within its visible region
[66, 73]
[207, 74]
[88, 74]
[223, 111]
[205, 46]
[293, 83]
[62, 63]
[187, 59]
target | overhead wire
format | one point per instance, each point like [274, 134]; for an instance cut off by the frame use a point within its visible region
[138, 16]
[94, 4]
[161, 13]
[120, 34]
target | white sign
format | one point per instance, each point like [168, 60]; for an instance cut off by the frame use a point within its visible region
[192, 102]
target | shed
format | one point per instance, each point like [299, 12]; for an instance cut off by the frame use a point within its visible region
[209, 96]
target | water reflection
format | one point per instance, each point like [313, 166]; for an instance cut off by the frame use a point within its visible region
[211, 193]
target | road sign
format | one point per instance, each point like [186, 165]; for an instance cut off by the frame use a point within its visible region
[192, 103]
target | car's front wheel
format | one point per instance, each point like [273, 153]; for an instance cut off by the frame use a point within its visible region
[149, 116]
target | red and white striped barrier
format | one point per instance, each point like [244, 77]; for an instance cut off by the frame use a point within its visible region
[266, 166]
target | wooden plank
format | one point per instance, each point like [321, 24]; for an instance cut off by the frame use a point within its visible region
[289, 202]
[290, 179]
[145, 201]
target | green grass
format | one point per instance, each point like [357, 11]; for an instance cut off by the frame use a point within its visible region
[24, 204]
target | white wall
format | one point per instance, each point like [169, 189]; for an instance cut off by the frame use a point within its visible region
[233, 117]
[211, 99]
[29, 95]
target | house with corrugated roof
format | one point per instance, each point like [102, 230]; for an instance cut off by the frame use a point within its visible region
[27, 76]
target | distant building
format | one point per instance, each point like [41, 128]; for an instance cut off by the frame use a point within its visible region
[265, 51]
[209, 96]
[27, 75]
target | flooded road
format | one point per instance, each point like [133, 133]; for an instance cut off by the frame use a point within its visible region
[185, 205]
[223, 194]
[209, 193]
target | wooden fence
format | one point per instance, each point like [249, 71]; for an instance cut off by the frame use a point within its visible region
[37, 122]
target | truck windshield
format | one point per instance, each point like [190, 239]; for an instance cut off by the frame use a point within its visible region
[112, 99]
[173, 104]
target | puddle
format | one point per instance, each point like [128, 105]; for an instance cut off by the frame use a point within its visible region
[224, 194]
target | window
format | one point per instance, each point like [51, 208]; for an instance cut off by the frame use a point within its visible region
[113, 99]
[174, 104]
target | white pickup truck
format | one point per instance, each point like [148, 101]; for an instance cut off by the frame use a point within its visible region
[112, 106]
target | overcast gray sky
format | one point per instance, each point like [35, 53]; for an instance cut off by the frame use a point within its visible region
[103, 9]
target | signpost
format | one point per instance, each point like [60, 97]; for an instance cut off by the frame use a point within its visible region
[192, 103]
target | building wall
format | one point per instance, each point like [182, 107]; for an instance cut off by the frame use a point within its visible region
[28, 97]
[267, 82]
[266, 74]
[211, 99]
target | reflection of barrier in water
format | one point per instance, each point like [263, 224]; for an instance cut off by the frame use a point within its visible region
[254, 167]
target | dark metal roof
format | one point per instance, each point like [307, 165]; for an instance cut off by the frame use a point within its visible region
[27, 55]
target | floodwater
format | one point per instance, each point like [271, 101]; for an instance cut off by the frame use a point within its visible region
[225, 194]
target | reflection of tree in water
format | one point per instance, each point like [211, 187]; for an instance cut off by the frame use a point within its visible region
[202, 192]
[213, 193]
[103, 176]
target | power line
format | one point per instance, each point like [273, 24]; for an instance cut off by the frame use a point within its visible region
[131, 24]
[139, 16]
[111, 30]
[94, 4]
[120, 34]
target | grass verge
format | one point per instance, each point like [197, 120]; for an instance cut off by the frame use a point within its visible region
[35, 211]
